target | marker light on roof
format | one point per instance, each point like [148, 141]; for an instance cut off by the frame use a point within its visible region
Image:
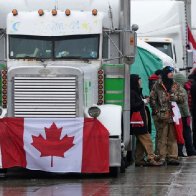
[14, 12]
[94, 12]
[54, 12]
[40, 12]
[67, 12]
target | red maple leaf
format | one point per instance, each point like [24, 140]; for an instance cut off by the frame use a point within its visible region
[52, 145]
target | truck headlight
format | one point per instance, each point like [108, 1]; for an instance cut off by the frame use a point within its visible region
[94, 111]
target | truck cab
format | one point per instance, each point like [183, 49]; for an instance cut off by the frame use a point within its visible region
[165, 45]
[49, 57]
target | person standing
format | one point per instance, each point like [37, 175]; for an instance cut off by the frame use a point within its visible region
[185, 114]
[139, 125]
[187, 87]
[151, 81]
[193, 104]
[162, 94]
[153, 78]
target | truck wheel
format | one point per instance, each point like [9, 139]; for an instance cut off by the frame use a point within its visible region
[3, 173]
[114, 171]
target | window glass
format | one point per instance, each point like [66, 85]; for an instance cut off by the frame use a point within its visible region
[163, 47]
[85, 46]
[30, 47]
[63, 47]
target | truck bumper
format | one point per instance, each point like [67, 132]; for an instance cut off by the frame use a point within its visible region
[115, 152]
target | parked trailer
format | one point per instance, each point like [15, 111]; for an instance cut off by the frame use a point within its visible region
[163, 24]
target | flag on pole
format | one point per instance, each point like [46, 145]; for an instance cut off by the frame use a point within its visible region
[192, 44]
[191, 39]
[55, 145]
[177, 123]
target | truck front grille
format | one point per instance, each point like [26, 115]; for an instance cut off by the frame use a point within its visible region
[45, 97]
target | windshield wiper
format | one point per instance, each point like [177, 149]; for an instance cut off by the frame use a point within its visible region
[26, 57]
[32, 57]
[70, 57]
[40, 58]
[74, 57]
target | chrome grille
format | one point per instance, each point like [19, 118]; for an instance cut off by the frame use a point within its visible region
[45, 96]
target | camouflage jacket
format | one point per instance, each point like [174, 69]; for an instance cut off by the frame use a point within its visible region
[160, 100]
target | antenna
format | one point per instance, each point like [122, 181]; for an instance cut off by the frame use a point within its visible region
[110, 15]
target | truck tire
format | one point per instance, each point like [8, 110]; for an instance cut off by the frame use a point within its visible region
[114, 172]
[3, 173]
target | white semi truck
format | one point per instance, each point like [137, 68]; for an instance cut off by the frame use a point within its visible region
[163, 24]
[55, 55]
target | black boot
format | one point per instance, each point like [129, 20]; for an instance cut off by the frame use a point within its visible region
[129, 159]
[180, 150]
[191, 153]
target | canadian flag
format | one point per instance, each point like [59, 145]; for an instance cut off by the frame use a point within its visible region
[177, 123]
[55, 145]
[192, 44]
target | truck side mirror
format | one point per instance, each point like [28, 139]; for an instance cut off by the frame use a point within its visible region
[134, 27]
[130, 47]
[189, 58]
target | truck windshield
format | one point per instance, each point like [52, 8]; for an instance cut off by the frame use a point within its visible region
[63, 47]
[163, 47]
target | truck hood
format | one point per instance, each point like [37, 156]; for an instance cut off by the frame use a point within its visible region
[53, 69]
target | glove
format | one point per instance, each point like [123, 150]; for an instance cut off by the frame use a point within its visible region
[146, 100]
[188, 121]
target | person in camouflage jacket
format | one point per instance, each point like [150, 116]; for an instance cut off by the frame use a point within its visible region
[163, 93]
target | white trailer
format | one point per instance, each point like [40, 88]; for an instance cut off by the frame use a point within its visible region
[163, 24]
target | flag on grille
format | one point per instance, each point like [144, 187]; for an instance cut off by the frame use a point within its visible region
[55, 145]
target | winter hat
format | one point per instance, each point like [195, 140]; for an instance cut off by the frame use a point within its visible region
[134, 78]
[168, 82]
[180, 78]
[158, 72]
[167, 70]
[153, 77]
